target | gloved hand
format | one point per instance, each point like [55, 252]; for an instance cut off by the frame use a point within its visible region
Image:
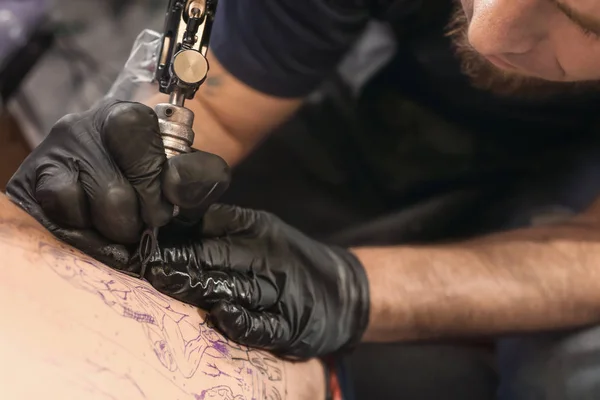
[101, 175]
[265, 284]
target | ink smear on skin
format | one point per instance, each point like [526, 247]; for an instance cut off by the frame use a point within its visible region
[221, 348]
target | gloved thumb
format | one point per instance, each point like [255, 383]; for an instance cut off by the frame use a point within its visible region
[194, 181]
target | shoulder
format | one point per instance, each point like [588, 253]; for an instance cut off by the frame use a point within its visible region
[286, 47]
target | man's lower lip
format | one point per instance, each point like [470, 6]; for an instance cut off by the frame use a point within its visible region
[498, 62]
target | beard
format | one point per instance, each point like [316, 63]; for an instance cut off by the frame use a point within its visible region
[486, 76]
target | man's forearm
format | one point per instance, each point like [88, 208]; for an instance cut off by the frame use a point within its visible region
[521, 281]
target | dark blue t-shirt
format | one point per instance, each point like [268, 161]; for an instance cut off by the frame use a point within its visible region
[285, 47]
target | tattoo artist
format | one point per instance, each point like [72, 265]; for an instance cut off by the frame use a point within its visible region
[449, 195]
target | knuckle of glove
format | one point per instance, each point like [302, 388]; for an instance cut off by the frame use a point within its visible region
[72, 130]
[64, 202]
[196, 179]
[131, 134]
[65, 124]
[54, 156]
[123, 116]
[115, 213]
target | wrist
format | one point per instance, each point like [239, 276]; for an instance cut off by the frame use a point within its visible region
[400, 280]
[372, 260]
[357, 297]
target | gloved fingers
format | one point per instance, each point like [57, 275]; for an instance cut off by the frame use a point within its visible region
[113, 205]
[217, 254]
[222, 220]
[61, 197]
[86, 240]
[131, 135]
[255, 329]
[113, 255]
[207, 288]
[194, 181]
[249, 291]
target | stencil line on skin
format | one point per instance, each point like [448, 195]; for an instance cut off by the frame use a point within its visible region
[179, 344]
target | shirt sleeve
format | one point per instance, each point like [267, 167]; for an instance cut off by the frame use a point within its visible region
[285, 48]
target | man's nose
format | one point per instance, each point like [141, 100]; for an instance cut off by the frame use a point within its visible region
[502, 27]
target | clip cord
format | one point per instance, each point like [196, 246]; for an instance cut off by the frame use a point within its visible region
[148, 246]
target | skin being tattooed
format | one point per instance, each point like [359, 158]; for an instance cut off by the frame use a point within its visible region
[179, 343]
[86, 331]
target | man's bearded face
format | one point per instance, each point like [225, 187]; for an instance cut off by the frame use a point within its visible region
[527, 48]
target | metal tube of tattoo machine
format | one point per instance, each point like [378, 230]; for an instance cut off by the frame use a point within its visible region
[182, 68]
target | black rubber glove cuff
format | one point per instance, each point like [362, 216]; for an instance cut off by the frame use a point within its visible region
[362, 298]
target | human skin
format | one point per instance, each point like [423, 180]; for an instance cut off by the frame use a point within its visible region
[555, 40]
[526, 280]
[72, 328]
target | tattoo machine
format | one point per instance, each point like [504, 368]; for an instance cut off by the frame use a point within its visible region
[182, 68]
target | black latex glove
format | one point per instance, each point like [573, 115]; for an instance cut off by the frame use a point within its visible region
[265, 284]
[100, 176]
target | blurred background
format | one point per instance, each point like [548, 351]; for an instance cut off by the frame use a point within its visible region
[59, 57]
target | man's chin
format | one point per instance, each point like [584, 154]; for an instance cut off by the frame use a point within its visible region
[486, 76]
